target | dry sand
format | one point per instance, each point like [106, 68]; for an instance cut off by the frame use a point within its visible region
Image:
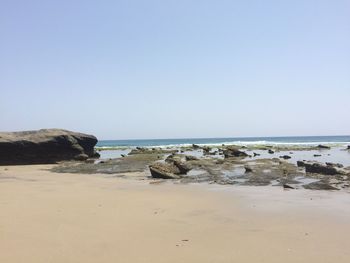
[48, 217]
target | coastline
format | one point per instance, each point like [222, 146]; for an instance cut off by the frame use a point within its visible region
[254, 142]
[53, 217]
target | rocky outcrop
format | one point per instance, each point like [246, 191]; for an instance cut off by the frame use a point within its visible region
[172, 168]
[164, 171]
[173, 157]
[319, 168]
[323, 147]
[142, 150]
[45, 146]
[183, 167]
[234, 152]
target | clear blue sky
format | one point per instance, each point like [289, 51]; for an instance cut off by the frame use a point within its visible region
[172, 69]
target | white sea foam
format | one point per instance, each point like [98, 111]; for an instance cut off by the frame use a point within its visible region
[251, 143]
[241, 143]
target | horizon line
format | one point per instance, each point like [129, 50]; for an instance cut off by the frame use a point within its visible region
[239, 137]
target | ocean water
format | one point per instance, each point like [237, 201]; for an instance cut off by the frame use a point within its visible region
[301, 140]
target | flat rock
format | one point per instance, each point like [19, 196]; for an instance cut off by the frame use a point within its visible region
[319, 186]
[319, 168]
[323, 147]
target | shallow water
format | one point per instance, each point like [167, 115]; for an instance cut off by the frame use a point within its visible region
[110, 154]
[333, 155]
[305, 180]
[235, 172]
[195, 172]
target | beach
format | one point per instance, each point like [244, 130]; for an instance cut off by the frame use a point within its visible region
[175, 131]
[64, 217]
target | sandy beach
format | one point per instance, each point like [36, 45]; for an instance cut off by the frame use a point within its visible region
[57, 217]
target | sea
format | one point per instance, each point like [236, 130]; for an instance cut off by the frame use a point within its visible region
[293, 140]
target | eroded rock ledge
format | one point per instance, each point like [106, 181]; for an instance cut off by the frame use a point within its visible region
[45, 146]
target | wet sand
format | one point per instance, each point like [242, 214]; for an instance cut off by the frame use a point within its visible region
[62, 217]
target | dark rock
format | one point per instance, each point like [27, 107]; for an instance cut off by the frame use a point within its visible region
[206, 149]
[164, 171]
[338, 165]
[183, 167]
[195, 146]
[286, 186]
[348, 147]
[317, 155]
[45, 146]
[319, 168]
[270, 151]
[285, 157]
[323, 147]
[256, 154]
[191, 158]
[81, 157]
[248, 169]
[301, 163]
[123, 155]
[96, 155]
[234, 152]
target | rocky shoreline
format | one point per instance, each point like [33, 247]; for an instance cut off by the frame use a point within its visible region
[227, 165]
[287, 166]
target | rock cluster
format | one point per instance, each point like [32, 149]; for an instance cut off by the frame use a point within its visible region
[142, 150]
[319, 168]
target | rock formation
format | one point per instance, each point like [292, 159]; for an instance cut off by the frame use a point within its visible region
[45, 146]
[319, 168]
[234, 152]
